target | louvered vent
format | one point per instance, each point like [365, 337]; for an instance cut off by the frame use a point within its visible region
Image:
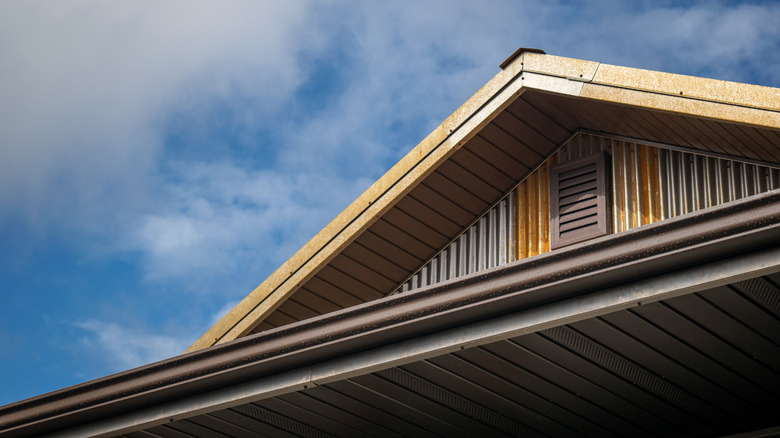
[578, 200]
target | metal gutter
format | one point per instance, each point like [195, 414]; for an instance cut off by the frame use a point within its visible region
[708, 236]
[535, 319]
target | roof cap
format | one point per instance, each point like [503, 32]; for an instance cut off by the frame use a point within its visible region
[518, 52]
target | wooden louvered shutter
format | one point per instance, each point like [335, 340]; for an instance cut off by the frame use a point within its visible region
[579, 198]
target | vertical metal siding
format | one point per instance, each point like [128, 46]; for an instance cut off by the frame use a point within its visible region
[636, 194]
[486, 244]
[692, 182]
[649, 184]
[532, 214]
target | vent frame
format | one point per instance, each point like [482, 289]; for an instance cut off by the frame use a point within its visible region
[585, 215]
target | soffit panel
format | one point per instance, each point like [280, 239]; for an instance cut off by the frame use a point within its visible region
[707, 135]
[703, 364]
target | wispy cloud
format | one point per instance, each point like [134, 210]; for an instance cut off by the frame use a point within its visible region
[220, 219]
[124, 348]
[86, 84]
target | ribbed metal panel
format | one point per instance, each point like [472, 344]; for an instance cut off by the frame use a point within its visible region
[532, 213]
[486, 244]
[692, 182]
[649, 184]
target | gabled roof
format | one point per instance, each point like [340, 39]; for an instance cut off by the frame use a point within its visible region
[479, 153]
[664, 330]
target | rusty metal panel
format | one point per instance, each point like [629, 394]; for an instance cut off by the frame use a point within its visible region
[532, 213]
[649, 184]
[635, 185]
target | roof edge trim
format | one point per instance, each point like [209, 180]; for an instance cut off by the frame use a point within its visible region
[382, 195]
[525, 321]
[517, 53]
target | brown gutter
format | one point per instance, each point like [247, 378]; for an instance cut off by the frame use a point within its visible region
[712, 234]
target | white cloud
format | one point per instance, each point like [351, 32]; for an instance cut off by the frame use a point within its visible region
[221, 219]
[85, 85]
[124, 348]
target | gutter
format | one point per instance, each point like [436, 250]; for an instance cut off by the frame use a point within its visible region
[707, 236]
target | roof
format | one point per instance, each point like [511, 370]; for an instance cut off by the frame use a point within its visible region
[672, 328]
[495, 139]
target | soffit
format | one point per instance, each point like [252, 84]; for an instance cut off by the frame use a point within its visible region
[702, 364]
[496, 139]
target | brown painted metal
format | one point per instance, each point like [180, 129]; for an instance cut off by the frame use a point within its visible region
[579, 200]
[730, 229]
[517, 53]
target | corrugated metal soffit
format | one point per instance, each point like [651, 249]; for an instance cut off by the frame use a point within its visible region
[648, 184]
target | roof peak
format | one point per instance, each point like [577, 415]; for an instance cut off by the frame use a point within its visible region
[518, 52]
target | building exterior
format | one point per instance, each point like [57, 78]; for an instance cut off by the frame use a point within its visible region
[579, 250]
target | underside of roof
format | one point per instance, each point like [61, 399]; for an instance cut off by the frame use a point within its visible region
[479, 154]
[685, 366]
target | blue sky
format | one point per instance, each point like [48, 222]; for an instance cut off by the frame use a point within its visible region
[159, 159]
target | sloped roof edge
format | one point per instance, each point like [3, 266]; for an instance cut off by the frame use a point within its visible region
[708, 98]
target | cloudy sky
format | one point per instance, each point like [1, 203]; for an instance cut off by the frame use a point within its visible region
[159, 159]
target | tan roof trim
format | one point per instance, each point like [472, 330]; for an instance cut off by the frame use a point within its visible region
[708, 98]
[714, 90]
[359, 215]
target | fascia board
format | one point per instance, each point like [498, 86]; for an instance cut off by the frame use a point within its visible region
[682, 105]
[701, 97]
[713, 90]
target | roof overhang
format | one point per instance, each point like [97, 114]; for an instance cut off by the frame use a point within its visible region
[678, 257]
[546, 99]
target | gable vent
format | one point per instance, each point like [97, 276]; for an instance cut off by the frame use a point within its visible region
[578, 200]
